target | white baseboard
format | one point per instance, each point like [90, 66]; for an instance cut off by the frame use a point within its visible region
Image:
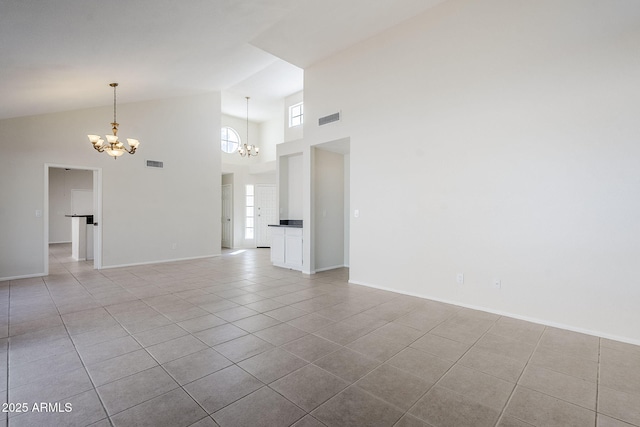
[26, 276]
[105, 267]
[318, 270]
[288, 267]
[507, 314]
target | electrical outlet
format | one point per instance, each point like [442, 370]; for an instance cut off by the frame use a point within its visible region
[497, 283]
[460, 278]
[174, 246]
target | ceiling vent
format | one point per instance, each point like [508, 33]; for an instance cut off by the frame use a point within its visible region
[155, 164]
[329, 119]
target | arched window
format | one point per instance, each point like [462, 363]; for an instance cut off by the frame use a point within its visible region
[229, 140]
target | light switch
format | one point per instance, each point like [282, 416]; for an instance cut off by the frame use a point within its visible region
[356, 213]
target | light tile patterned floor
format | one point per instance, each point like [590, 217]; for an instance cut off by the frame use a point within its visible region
[233, 341]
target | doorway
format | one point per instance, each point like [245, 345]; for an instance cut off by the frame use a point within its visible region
[57, 229]
[331, 227]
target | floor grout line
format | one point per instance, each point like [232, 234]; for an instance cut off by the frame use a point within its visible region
[95, 390]
[235, 275]
[598, 380]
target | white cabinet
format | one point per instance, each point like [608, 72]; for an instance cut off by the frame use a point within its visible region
[286, 247]
[277, 245]
[293, 247]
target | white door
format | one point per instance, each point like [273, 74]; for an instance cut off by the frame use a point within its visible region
[266, 213]
[227, 216]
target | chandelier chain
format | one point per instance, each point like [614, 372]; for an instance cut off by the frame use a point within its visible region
[114, 103]
[247, 120]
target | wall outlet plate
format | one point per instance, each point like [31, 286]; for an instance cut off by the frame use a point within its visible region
[497, 283]
[460, 278]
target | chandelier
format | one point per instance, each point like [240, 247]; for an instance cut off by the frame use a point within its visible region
[113, 147]
[248, 149]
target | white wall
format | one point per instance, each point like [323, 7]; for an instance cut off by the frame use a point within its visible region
[295, 132]
[144, 210]
[61, 182]
[271, 133]
[498, 139]
[328, 229]
[291, 179]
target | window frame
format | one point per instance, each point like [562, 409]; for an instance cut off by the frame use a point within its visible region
[229, 130]
[250, 213]
[299, 117]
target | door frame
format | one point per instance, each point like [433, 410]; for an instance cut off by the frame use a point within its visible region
[97, 214]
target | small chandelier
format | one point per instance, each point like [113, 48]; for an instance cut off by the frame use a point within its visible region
[113, 147]
[248, 149]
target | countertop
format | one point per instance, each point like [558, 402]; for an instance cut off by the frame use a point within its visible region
[89, 217]
[291, 223]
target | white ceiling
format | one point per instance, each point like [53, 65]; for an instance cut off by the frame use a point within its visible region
[61, 55]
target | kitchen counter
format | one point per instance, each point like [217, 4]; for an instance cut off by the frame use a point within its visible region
[81, 237]
[89, 217]
[291, 223]
[286, 244]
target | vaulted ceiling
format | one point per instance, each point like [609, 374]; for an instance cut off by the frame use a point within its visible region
[61, 55]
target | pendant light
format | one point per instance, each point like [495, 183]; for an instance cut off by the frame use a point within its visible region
[248, 149]
[113, 147]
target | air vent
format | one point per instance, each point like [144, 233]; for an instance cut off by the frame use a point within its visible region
[328, 119]
[155, 164]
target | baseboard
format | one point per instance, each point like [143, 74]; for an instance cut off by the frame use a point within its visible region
[53, 243]
[507, 314]
[288, 267]
[26, 276]
[105, 267]
[318, 270]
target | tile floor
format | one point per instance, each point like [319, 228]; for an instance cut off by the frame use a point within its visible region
[233, 341]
